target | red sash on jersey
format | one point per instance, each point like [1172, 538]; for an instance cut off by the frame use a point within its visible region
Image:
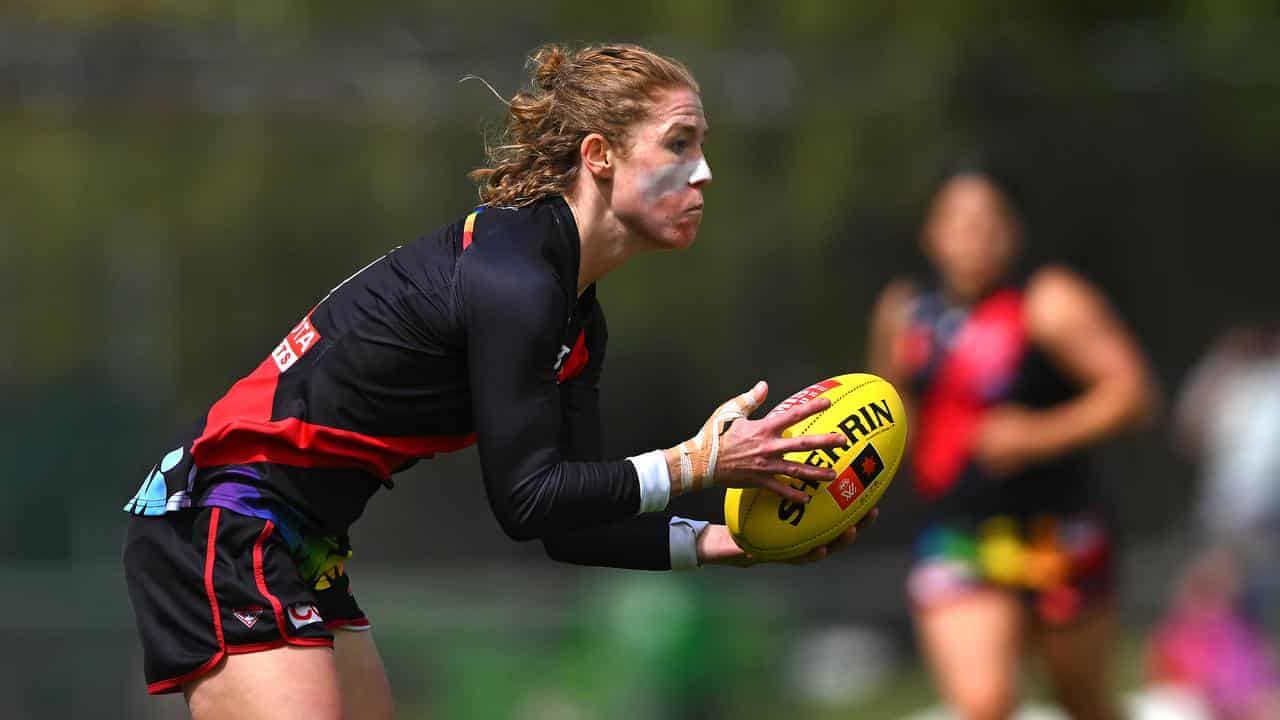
[975, 373]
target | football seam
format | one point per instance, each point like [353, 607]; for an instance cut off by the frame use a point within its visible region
[751, 503]
[814, 418]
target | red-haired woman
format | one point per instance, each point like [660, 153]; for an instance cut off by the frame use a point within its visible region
[485, 331]
[1010, 381]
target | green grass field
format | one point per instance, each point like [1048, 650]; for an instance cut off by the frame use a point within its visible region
[603, 657]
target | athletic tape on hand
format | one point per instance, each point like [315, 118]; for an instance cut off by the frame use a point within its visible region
[697, 456]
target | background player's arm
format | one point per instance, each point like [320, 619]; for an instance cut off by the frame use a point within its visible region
[1071, 322]
[888, 325]
[886, 336]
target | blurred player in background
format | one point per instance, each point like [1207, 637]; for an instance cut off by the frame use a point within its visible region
[1214, 641]
[1011, 378]
[485, 331]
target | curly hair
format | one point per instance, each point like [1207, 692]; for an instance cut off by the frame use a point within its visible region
[602, 89]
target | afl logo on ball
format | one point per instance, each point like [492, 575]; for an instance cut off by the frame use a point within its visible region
[303, 614]
[861, 472]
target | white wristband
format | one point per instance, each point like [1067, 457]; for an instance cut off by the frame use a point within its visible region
[684, 542]
[655, 481]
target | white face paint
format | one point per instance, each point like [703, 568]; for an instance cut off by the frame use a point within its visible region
[702, 173]
[676, 177]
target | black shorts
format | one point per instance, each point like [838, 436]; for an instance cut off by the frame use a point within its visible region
[207, 582]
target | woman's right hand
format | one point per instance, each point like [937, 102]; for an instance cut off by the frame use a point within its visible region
[731, 450]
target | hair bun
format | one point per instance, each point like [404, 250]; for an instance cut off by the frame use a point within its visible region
[603, 89]
[549, 61]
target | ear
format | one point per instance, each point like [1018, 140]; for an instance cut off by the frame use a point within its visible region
[597, 156]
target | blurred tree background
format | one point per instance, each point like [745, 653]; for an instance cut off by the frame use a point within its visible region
[184, 179]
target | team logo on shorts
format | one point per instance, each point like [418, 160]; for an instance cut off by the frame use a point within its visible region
[303, 614]
[249, 615]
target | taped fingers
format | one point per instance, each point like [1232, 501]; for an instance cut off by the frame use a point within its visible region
[752, 399]
[698, 456]
[746, 403]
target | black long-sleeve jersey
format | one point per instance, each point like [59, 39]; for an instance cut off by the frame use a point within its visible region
[472, 334]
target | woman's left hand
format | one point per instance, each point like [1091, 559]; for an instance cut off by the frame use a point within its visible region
[716, 546]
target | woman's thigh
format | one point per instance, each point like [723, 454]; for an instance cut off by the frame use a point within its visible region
[1075, 657]
[973, 643]
[281, 684]
[366, 693]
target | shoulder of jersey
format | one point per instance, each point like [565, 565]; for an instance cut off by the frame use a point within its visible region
[511, 230]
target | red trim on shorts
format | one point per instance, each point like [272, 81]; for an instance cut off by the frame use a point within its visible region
[167, 686]
[276, 644]
[174, 684]
[210, 553]
[260, 578]
[254, 647]
[311, 642]
[210, 548]
[360, 623]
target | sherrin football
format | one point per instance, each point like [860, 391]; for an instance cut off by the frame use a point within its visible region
[869, 413]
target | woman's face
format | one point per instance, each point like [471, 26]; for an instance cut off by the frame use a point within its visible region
[970, 235]
[657, 186]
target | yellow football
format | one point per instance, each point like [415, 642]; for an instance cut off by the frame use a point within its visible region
[867, 410]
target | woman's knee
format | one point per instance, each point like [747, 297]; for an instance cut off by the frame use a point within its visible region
[983, 699]
[1084, 693]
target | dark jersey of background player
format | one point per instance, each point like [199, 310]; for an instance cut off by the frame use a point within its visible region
[1012, 380]
[961, 361]
[474, 330]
